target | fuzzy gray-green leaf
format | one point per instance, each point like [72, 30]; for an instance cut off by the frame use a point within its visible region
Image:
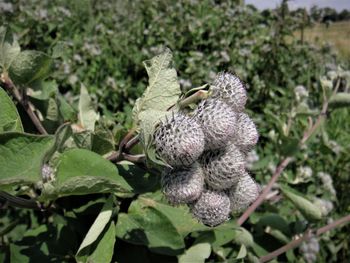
[9, 117]
[9, 48]
[21, 157]
[87, 114]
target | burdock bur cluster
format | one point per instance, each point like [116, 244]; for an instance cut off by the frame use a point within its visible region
[207, 151]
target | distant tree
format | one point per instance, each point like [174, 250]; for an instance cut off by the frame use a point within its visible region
[344, 15]
[316, 13]
[329, 14]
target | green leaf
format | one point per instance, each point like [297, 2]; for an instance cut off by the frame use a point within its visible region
[148, 121]
[290, 146]
[43, 90]
[162, 92]
[52, 110]
[82, 172]
[139, 179]
[308, 209]
[9, 117]
[29, 66]
[102, 143]
[274, 221]
[242, 252]
[104, 250]
[63, 133]
[46, 243]
[180, 216]
[21, 157]
[87, 115]
[67, 112]
[83, 139]
[148, 226]
[243, 237]
[196, 254]
[96, 229]
[340, 99]
[9, 48]
[60, 49]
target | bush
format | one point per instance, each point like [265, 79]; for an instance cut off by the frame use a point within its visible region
[92, 178]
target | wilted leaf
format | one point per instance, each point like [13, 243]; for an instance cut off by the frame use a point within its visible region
[308, 209]
[9, 48]
[29, 66]
[82, 172]
[21, 157]
[196, 254]
[9, 117]
[87, 115]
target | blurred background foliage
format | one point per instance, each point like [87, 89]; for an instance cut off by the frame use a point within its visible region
[102, 44]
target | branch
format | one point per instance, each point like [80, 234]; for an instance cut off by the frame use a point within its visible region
[306, 236]
[307, 135]
[22, 99]
[117, 156]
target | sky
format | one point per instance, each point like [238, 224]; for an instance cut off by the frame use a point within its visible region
[336, 4]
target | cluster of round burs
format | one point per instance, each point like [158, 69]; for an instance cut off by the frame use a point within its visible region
[207, 150]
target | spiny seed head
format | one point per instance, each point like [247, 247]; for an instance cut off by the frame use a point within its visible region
[179, 140]
[223, 168]
[218, 122]
[244, 193]
[246, 135]
[212, 208]
[230, 89]
[183, 185]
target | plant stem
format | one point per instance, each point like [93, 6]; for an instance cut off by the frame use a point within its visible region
[307, 135]
[306, 236]
[20, 202]
[119, 156]
[138, 158]
[22, 99]
[264, 193]
[132, 142]
[199, 95]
